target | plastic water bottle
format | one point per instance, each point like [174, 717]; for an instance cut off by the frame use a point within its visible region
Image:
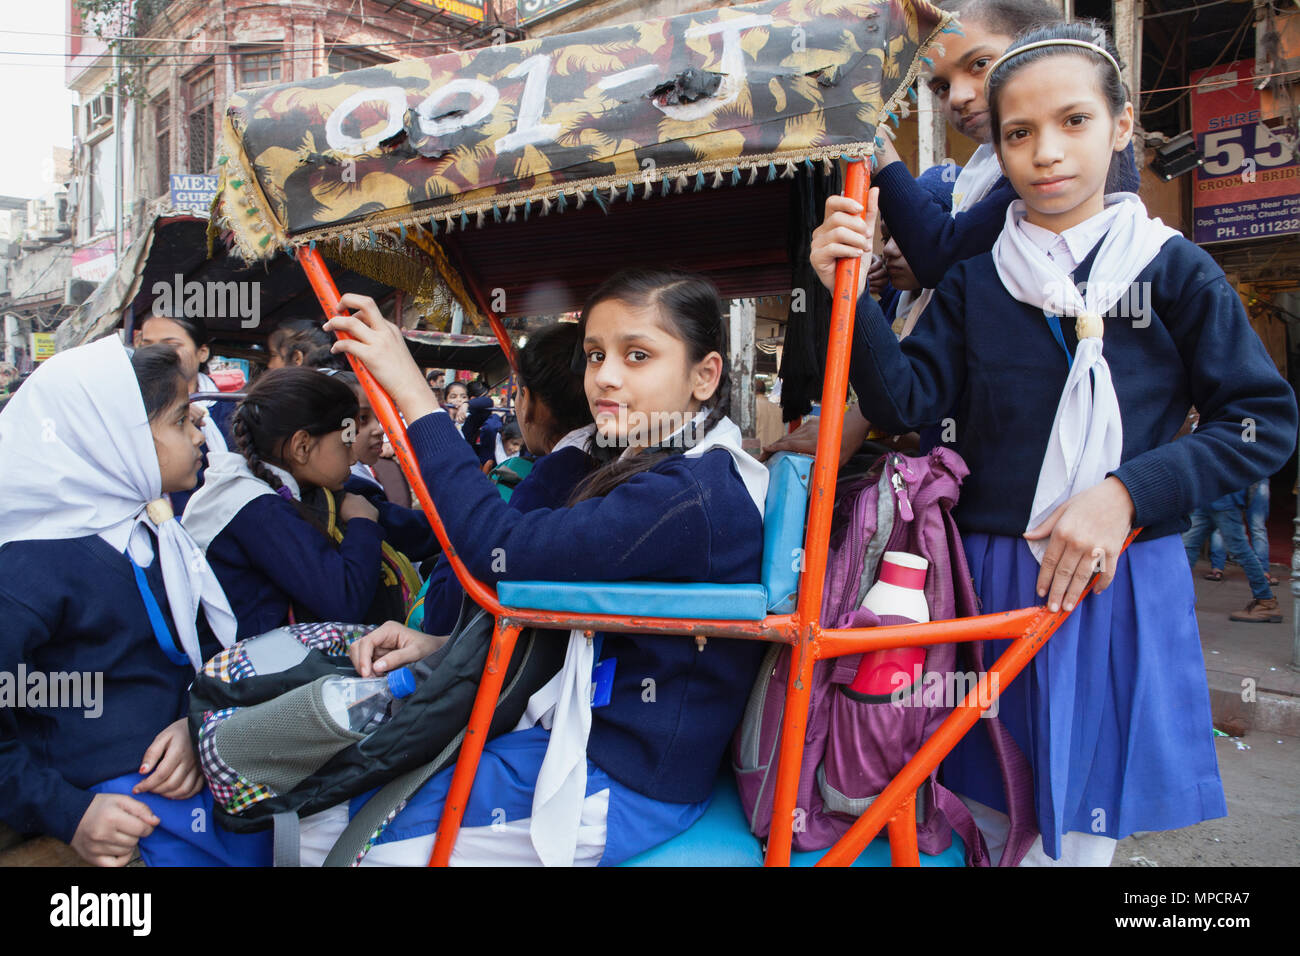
[899, 592]
[363, 703]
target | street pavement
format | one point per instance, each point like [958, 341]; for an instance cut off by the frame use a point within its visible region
[1260, 759]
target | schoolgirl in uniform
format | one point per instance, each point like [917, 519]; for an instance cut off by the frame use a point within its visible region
[271, 551]
[1070, 448]
[189, 336]
[557, 429]
[101, 590]
[604, 782]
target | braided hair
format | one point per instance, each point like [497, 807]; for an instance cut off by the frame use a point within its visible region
[281, 403]
[691, 310]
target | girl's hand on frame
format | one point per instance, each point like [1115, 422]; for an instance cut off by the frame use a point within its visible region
[378, 344]
[843, 235]
[110, 829]
[390, 646]
[1086, 535]
[175, 765]
[356, 506]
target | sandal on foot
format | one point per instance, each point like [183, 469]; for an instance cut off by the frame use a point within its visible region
[1214, 574]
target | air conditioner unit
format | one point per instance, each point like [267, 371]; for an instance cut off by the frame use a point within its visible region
[101, 109]
[77, 291]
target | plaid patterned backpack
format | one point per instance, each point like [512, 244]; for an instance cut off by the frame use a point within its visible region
[272, 755]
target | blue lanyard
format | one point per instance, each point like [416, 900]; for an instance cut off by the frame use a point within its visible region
[1054, 323]
[160, 631]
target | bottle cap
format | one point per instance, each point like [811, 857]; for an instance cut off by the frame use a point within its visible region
[401, 682]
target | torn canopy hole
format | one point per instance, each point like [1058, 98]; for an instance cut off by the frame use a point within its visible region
[688, 86]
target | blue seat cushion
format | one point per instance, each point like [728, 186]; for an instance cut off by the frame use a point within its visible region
[784, 512]
[712, 602]
[721, 838]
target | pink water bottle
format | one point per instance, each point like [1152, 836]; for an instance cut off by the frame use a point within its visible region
[899, 592]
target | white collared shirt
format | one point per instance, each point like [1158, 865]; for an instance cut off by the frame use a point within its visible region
[1067, 249]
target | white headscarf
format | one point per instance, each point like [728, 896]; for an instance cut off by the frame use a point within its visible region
[973, 183]
[228, 485]
[77, 458]
[564, 704]
[1087, 437]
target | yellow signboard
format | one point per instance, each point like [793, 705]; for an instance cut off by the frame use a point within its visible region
[42, 346]
[470, 10]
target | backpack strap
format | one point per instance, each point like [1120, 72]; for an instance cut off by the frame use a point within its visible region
[959, 818]
[1017, 780]
[286, 833]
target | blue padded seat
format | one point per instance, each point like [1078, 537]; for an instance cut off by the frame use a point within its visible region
[786, 508]
[721, 838]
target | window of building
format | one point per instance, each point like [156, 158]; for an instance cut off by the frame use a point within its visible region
[260, 67]
[200, 127]
[162, 126]
[341, 60]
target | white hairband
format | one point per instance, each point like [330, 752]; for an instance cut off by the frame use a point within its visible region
[1040, 44]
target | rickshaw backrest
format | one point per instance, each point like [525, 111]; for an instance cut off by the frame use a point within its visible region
[786, 509]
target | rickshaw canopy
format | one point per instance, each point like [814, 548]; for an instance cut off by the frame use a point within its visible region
[419, 156]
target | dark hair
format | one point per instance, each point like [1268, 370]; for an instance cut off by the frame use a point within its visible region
[433, 373]
[282, 402]
[1003, 17]
[194, 327]
[452, 385]
[312, 342]
[161, 376]
[1110, 84]
[692, 312]
[545, 368]
[511, 430]
[475, 388]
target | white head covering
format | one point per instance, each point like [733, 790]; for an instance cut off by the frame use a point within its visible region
[228, 485]
[212, 436]
[77, 457]
[1087, 437]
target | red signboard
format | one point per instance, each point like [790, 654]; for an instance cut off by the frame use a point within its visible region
[1248, 186]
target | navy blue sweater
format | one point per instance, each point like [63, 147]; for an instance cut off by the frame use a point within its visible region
[548, 485]
[686, 519]
[993, 364]
[73, 606]
[269, 557]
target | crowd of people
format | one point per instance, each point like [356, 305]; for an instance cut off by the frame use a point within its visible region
[144, 533]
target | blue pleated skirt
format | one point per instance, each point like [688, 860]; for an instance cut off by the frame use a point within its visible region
[1113, 713]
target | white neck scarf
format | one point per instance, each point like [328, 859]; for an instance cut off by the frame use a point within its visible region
[77, 458]
[564, 704]
[228, 485]
[973, 183]
[1087, 437]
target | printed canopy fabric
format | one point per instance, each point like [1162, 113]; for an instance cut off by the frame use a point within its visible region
[738, 91]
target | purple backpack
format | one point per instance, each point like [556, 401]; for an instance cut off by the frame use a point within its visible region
[853, 748]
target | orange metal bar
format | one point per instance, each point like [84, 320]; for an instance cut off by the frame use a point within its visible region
[816, 540]
[327, 293]
[902, 835]
[842, 641]
[471, 749]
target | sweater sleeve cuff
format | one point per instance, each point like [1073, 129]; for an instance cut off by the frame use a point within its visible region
[434, 434]
[1154, 488]
[62, 818]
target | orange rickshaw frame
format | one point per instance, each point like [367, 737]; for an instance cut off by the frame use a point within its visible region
[895, 808]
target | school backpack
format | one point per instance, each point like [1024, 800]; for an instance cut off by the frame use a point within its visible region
[853, 746]
[399, 583]
[272, 755]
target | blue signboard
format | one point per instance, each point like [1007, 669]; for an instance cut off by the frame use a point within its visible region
[193, 192]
